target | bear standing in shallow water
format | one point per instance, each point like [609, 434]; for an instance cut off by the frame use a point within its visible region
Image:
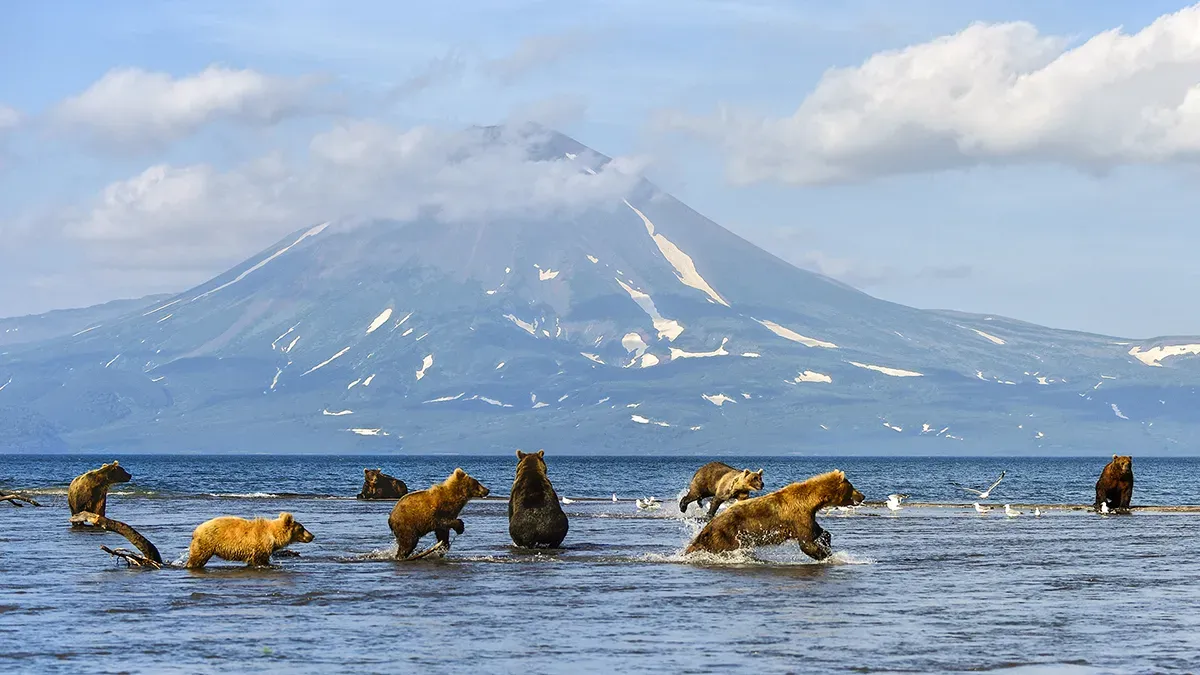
[535, 518]
[787, 513]
[379, 485]
[435, 510]
[722, 483]
[89, 491]
[241, 540]
[1115, 486]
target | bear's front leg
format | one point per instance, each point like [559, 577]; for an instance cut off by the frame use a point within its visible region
[820, 547]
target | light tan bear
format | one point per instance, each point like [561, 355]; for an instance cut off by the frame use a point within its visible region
[785, 514]
[89, 491]
[721, 482]
[241, 540]
[434, 509]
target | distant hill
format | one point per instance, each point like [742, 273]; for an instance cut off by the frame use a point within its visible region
[637, 327]
[36, 327]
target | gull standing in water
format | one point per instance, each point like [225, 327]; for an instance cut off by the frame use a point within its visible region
[565, 500]
[982, 509]
[1104, 508]
[1037, 511]
[649, 504]
[983, 494]
[614, 496]
[1010, 511]
[893, 502]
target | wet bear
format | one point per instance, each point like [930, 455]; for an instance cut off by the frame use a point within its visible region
[722, 483]
[89, 491]
[435, 509]
[535, 518]
[241, 540]
[786, 514]
[1115, 486]
[379, 485]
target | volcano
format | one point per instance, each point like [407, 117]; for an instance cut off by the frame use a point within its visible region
[636, 326]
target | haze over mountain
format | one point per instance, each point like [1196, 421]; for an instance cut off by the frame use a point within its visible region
[633, 326]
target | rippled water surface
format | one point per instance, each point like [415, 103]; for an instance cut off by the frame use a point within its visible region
[924, 589]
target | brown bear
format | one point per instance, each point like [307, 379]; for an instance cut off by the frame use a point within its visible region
[379, 485]
[434, 509]
[1115, 486]
[89, 491]
[721, 482]
[241, 540]
[787, 513]
[535, 518]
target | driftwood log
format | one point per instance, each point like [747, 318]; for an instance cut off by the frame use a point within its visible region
[149, 557]
[16, 499]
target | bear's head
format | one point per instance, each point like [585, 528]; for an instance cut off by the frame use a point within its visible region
[750, 480]
[531, 461]
[1123, 464]
[844, 493]
[115, 473]
[473, 488]
[371, 476]
[293, 530]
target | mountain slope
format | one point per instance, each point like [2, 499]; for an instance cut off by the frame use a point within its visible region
[634, 327]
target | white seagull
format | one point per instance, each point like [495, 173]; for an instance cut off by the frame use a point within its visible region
[565, 500]
[893, 502]
[1037, 511]
[983, 494]
[614, 496]
[1104, 507]
[649, 504]
[982, 509]
[1010, 511]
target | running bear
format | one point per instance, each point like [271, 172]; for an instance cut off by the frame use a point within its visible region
[89, 491]
[379, 485]
[721, 482]
[535, 518]
[1115, 486]
[787, 513]
[240, 540]
[433, 510]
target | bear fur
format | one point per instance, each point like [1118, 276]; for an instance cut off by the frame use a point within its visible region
[1116, 484]
[722, 483]
[89, 491]
[788, 513]
[434, 509]
[379, 485]
[241, 540]
[535, 518]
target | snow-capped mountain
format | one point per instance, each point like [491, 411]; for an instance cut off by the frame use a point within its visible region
[639, 326]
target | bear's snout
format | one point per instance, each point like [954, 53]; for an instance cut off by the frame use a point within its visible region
[305, 536]
[856, 497]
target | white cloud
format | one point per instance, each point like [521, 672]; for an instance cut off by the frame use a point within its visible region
[10, 118]
[534, 52]
[167, 215]
[136, 109]
[990, 94]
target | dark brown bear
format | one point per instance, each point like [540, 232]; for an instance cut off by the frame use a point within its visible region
[787, 513]
[433, 510]
[379, 485]
[722, 483]
[89, 491]
[1115, 486]
[535, 518]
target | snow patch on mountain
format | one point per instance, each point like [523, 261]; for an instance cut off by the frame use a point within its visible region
[792, 335]
[812, 376]
[681, 354]
[894, 372]
[325, 362]
[1154, 355]
[987, 336]
[685, 268]
[379, 320]
[667, 328]
[426, 364]
[718, 399]
[311, 233]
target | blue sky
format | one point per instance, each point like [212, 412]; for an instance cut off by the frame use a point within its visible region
[1031, 159]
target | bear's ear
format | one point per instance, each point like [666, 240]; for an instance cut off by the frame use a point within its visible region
[541, 453]
[287, 518]
[459, 473]
[759, 472]
[366, 472]
[521, 455]
[116, 463]
[1114, 456]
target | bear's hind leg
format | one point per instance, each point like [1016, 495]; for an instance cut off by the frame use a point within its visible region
[714, 505]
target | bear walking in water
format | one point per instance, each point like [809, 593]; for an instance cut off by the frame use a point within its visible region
[786, 514]
[241, 540]
[722, 483]
[379, 485]
[435, 509]
[89, 491]
[535, 518]
[1115, 486]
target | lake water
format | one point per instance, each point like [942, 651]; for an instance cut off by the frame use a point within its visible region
[921, 590]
